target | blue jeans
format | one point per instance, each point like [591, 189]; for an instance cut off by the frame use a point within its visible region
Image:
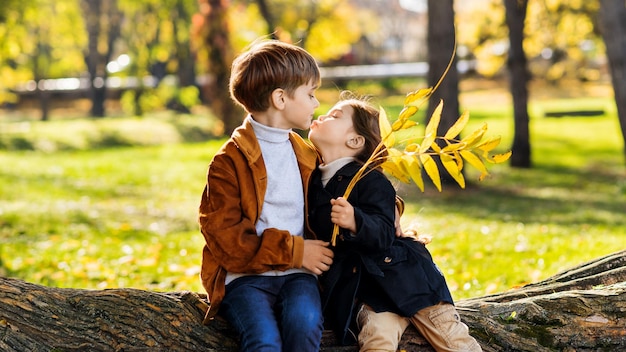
[275, 313]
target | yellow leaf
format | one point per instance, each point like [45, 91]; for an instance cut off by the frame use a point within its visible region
[489, 144]
[402, 125]
[459, 160]
[431, 128]
[453, 147]
[452, 167]
[475, 162]
[411, 165]
[407, 112]
[392, 167]
[475, 136]
[412, 148]
[411, 98]
[458, 126]
[385, 129]
[431, 169]
[500, 158]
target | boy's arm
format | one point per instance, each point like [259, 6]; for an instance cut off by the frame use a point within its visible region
[227, 224]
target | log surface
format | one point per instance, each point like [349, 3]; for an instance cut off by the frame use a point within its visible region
[581, 309]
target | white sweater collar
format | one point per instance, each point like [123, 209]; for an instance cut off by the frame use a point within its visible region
[330, 169]
[268, 134]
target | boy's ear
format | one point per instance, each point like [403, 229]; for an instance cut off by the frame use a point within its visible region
[356, 141]
[277, 98]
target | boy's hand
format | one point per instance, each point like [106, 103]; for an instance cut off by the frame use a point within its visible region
[342, 214]
[317, 256]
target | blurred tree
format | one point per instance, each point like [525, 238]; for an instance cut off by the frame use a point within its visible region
[519, 76]
[310, 24]
[4, 6]
[268, 17]
[212, 33]
[613, 27]
[441, 40]
[12, 32]
[156, 38]
[34, 49]
[559, 38]
[102, 21]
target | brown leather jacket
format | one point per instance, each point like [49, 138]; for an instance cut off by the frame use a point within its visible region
[230, 207]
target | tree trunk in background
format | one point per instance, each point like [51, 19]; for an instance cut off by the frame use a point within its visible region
[613, 27]
[581, 309]
[441, 40]
[267, 16]
[97, 13]
[186, 71]
[41, 70]
[518, 71]
[216, 38]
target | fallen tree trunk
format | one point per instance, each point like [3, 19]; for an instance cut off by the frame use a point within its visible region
[582, 309]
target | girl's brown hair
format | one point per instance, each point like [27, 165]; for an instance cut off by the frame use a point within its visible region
[365, 122]
[266, 66]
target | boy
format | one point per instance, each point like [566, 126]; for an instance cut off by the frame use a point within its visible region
[260, 263]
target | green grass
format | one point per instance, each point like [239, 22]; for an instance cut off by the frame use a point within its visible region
[126, 216]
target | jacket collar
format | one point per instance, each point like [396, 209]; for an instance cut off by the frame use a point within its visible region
[245, 139]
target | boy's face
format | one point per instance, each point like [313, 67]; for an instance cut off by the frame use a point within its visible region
[300, 109]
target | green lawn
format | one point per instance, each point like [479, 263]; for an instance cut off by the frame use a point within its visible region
[125, 216]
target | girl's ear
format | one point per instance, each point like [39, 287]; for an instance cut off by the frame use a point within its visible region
[277, 98]
[356, 142]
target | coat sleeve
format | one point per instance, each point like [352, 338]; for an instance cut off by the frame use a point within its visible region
[227, 215]
[374, 210]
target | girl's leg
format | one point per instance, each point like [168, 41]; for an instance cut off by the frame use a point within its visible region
[379, 331]
[300, 309]
[441, 325]
[248, 307]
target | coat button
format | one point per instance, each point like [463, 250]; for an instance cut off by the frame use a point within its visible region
[387, 260]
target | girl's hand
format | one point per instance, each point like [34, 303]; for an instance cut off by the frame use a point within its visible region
[342, 214]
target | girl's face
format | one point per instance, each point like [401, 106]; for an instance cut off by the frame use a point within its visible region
[331, 132]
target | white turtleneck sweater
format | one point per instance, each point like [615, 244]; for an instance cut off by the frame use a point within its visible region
[330, 169]
[283, 206]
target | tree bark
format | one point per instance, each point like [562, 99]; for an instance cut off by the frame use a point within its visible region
[518, 70]
[582, 309]
[216, 37]
[612, 20]
[100, 16]
[441, 41]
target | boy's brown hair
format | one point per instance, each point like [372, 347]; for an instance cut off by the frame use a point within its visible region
[266, 66]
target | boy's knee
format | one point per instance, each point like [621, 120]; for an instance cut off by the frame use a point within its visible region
[304, 319]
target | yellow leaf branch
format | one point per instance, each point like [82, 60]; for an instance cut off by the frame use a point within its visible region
[405, 160]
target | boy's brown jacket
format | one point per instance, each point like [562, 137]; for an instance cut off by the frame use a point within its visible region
[230, 207]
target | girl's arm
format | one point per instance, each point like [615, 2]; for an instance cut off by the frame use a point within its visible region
[368, 220]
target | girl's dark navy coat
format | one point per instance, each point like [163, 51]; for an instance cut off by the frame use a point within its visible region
[372, 266]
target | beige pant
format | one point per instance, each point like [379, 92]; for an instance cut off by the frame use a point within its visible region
[440, 325]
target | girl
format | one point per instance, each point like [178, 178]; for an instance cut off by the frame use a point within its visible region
[378, 283]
